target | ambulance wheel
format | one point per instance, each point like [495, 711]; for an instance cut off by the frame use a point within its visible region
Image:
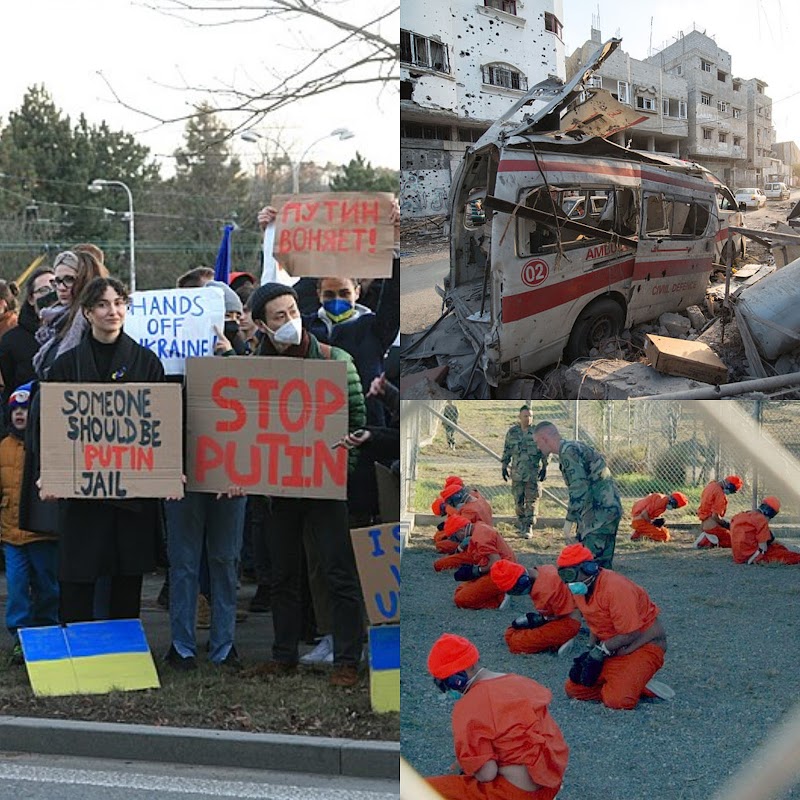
[598, 322]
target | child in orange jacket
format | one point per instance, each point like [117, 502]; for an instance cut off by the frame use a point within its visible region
[31, 558]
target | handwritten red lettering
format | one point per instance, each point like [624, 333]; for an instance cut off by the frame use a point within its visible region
[209, 457]
[264, 388]
[302, 405]
[332, 462]
[329, 399]
[237, 423]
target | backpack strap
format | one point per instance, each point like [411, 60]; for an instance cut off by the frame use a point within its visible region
[325, 349]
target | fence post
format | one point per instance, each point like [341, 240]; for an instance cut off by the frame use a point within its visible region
[758, 415]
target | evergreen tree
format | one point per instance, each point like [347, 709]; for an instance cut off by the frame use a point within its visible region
[361, 176]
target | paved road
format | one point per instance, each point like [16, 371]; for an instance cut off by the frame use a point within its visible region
[25, 777]
[420, 305]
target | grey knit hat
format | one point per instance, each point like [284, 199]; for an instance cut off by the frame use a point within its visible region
[232, 300]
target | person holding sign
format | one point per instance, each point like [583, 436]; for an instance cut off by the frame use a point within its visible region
[106, 537]
[275, 313]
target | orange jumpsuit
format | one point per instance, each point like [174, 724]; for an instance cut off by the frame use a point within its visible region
[477, 509]
[551, 598]
[654, 505]
[617, 605]
[751, 528]
[713, 501]
[482, 592]
[505, 719]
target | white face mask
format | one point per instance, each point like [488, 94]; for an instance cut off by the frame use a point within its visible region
[289, 333]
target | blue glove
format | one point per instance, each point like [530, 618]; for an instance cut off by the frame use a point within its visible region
[505, 473]
[659, 522]
[440, 526]
[467, 572]
[723, 523]
[533, 619]
[543, 472]
[576, 670]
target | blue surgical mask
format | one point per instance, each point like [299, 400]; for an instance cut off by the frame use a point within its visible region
[338, 309]
[578, 588]
[522, 586]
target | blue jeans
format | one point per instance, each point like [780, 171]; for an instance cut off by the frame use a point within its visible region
[197, 519]
[32, 578]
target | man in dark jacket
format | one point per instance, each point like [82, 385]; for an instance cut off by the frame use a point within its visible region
[275, 312]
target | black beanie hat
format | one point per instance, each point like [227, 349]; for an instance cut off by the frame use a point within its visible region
[265, 293]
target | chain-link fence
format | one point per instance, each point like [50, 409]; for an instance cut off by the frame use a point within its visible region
[650, 446]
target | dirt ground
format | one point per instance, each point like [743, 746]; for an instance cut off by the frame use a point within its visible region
[732, 659]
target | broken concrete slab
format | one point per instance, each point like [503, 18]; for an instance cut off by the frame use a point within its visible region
[674, 324]
[435, 375]
[426, 389]
[618, 380]
[696, 317]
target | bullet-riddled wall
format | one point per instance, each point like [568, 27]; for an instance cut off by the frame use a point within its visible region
[462, 66]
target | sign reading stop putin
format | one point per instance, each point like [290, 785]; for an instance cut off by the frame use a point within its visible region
[267, 425]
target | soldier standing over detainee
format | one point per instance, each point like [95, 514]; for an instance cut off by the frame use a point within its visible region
[450, 411]
[528, 467]
[594, 502]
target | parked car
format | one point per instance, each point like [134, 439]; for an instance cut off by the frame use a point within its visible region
[776, 191]
[751, 198]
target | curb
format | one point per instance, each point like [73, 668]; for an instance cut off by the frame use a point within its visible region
[266, 751]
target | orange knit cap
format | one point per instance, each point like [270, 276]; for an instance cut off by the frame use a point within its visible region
[773, 503]
[505, 574]
[438, 506]
[453, 479]
[455, 522]
[734, 480]
[451, 489]
[574, 554]
[451, 654]
[680, 498]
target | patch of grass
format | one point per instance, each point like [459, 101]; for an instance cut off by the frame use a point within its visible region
[210, 697]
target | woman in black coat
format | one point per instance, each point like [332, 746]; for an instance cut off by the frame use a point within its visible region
[106, 537]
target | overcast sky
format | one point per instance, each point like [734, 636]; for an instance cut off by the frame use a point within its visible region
[760, 35]
[64, 43]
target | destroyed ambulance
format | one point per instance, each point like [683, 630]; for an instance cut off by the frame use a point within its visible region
[559, 238]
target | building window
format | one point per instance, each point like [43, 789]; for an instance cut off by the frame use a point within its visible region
[594, 82]
[665, 106]
[504, 76]
[417, 130]
[679, 69]
[707, 134]
[737, 141]
[509, 6]
[705, 65]
[722, 106]
[705, 99]
[552, 24]
[759, 88]
[722, 76]
[736, 86]
[682, 109]
[423, 52]
[723, 137]
[645, 103]
[759, 111]
[469, 134]
[623, 92]
[737, 113]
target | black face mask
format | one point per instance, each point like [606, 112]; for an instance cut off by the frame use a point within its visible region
[48, 300]
[234, 337]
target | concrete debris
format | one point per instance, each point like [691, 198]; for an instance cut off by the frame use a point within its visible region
[696, 317]
[619, 380]
[674, 324]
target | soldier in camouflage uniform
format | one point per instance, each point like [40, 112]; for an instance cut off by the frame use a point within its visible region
[450, 412]
[528, 467]
[594, 502]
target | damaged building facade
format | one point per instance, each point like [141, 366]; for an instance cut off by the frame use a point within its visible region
[462, 65]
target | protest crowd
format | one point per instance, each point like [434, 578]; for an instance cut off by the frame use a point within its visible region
[287, 391]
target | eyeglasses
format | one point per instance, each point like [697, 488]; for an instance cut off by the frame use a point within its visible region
[64, 280]
[43, 290]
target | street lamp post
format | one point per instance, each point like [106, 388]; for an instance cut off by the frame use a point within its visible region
[254, 136]
[97, 185]
[341, 133]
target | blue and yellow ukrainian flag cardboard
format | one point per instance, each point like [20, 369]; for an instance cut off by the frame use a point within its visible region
[384, 667]
[88, 658]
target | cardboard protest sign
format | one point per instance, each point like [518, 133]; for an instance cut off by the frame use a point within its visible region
[111, 440]
[347, 234]
[267, 425]
[88, 658]
[377, 551]
[176, 324]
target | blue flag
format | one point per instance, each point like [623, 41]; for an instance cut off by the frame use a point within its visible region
[222, 266]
